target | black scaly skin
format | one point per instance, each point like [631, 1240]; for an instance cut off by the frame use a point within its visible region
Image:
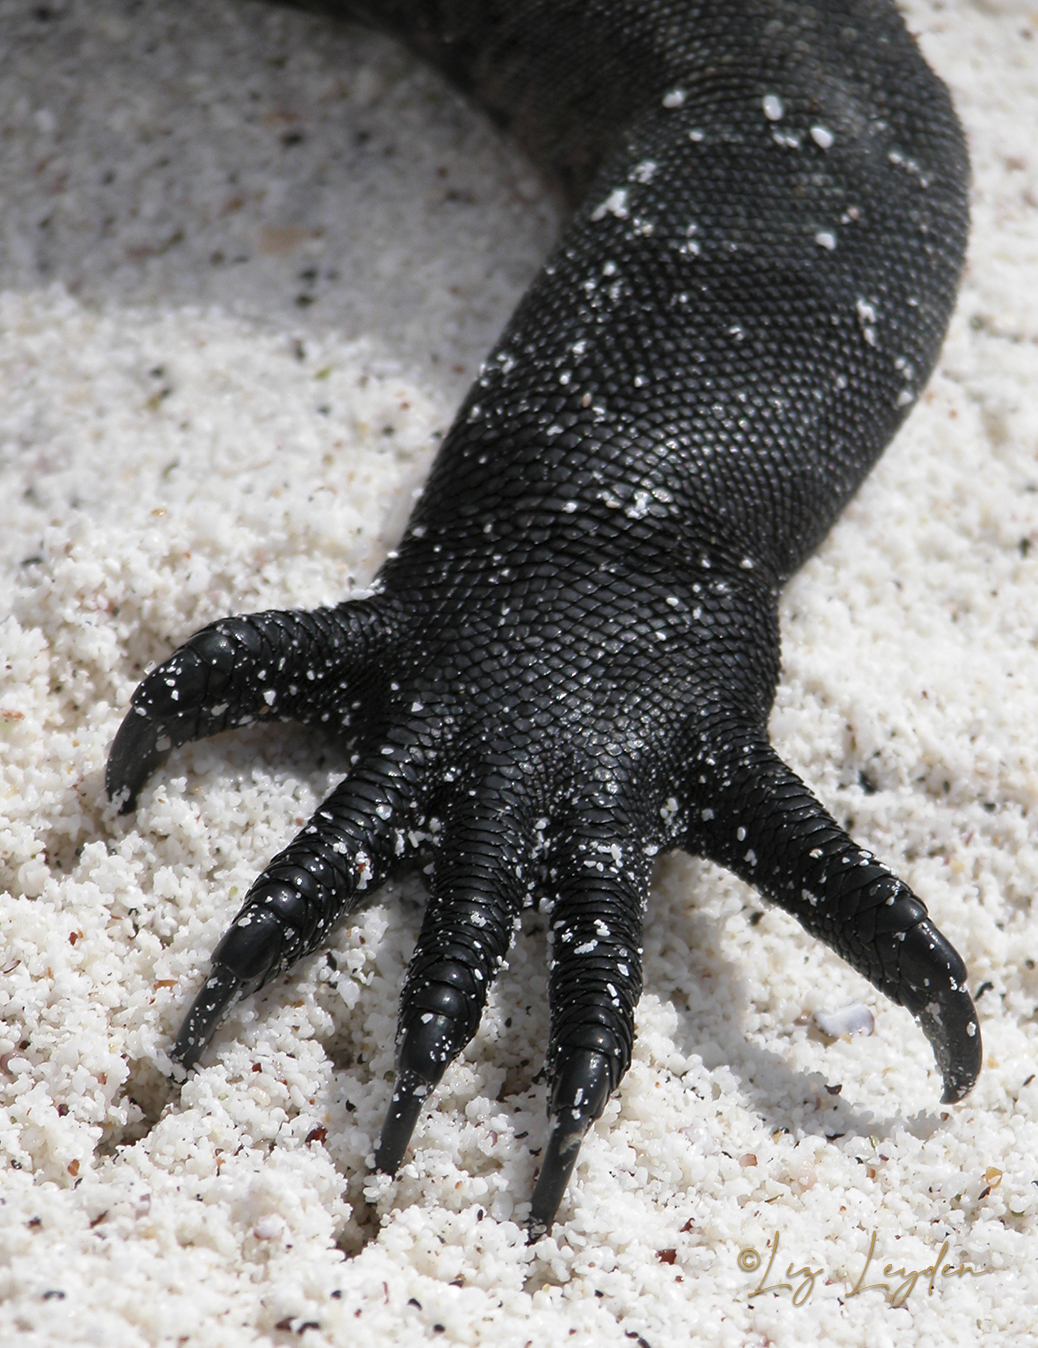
[567, 668]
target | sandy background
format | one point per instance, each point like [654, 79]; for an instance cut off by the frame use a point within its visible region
[248, 263]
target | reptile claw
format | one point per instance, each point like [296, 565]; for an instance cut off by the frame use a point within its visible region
[207, 1011]
[581, 1089]
[142, 744]
[428, 1045]
[933, 988]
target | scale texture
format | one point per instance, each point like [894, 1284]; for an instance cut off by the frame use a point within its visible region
[567, 667]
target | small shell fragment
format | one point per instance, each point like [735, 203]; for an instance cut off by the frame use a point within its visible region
[855, 1019]
[269, 1227]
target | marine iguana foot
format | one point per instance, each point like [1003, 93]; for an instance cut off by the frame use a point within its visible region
[569, 662]
[535, 785]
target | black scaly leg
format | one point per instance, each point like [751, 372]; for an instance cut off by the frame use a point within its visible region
[755, 816]
[600, 875]
[288, 665]
[769, 227]
[349, 846]
[480, 879]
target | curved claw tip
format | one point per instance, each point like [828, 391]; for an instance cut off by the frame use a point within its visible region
[136, 752]
[409, 1094]
[933, 988]
[560, 1156]
[583, 1080]
[203, 1020]
[427, 1046]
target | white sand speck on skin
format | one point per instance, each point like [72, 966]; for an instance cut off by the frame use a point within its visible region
[247, 264]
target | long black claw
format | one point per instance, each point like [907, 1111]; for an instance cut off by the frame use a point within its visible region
[177, 702]
[286, 665]
[167, 710]
[568, 1130]
[428, 1045]
[207, 1011]
[933, 988]
[140, 746]
[409, 1094]
[581, 1090]
[241, 963]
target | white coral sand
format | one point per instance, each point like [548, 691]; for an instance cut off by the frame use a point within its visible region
[247, 263]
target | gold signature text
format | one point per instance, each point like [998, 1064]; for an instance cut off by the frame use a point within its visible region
[802, 1280]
